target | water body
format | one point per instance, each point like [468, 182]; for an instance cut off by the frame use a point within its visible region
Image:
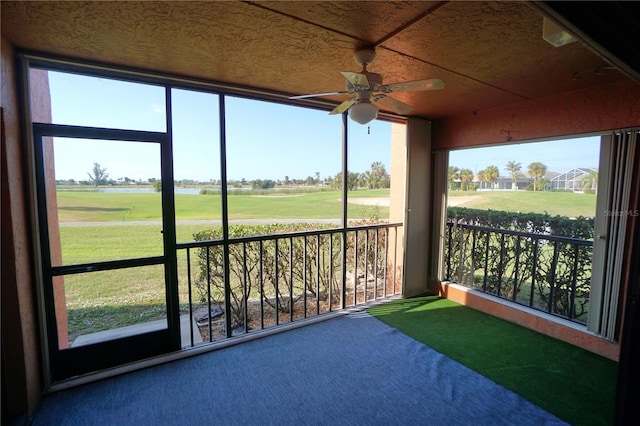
[189, 191]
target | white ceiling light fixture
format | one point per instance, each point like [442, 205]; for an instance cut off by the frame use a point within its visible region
[368, 88]
[363, 112]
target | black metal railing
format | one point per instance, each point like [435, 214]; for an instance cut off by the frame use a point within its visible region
[545, 272]
[272, 280]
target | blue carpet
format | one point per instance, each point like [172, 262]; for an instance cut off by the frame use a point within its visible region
[351, 370]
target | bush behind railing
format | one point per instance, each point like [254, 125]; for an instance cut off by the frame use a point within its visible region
[297, 273]
[507, 257]
[537, 223]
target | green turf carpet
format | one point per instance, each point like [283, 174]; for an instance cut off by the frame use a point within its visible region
[575, 385]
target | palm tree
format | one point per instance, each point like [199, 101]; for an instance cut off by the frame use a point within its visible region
[466, 176]
[482, 176]
[590, 181]
[536, 171]
[454, 174]
[514, 170]
[491, 174]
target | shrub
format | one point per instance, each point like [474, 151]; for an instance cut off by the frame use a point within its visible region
[537, 223]
[301, 267]
[517, 267]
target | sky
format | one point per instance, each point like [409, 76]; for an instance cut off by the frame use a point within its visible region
[264, 140]
[558, 156]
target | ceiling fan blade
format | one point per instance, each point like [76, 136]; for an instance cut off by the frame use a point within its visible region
[410, 86]
[343, 106]
[318, 94]
[355, 78]
[397, 106]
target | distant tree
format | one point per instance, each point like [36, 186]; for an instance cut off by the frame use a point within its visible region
[379, 177]
[98, 175]
[466, 177]
[536, 171]
[590, 181]
[309, 181]
[542, 184]
[352, 181]
[454, 175]
[514, 169]
[317, 178]
[491, 174]
[263, 184]
[482, 177]
[286, 180]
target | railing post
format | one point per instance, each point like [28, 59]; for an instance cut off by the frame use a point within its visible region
[461, 255]
[261, 285]
[318, 274]
[343, 296]
[395, 260]
[501, 264]
[190, 296]
[486, 262]
[355, 271]
[209, 295]
[245, 293]
[291, 279]
[366, 264]
[275, 283]
[375, 267]
[304, 280]
[450, 236]
[552, 276]
[517, 266]
[330, 271]
[474, 236]
[574, 280]
[386, 260]
[534, 268]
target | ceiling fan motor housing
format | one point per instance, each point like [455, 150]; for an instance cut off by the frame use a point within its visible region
[364, 56]
[374, 79]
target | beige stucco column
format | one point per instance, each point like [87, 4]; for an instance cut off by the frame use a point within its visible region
[397, 198]
[417, 214]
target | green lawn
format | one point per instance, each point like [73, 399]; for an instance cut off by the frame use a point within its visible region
[555, 203]
[81, 206]
[105, 300]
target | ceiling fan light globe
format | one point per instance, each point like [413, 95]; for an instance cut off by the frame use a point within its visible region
[363, 112]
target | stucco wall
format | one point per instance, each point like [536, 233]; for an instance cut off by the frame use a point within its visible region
[20, 336]
[597, 109]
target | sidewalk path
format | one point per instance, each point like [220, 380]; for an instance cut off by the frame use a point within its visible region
[205, 222]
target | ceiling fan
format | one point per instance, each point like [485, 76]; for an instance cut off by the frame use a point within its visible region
[368, 88]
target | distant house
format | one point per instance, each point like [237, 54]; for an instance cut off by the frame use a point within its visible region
[504, 183]
[572, 180]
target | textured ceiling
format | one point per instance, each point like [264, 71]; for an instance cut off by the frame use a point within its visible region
[488, 53]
